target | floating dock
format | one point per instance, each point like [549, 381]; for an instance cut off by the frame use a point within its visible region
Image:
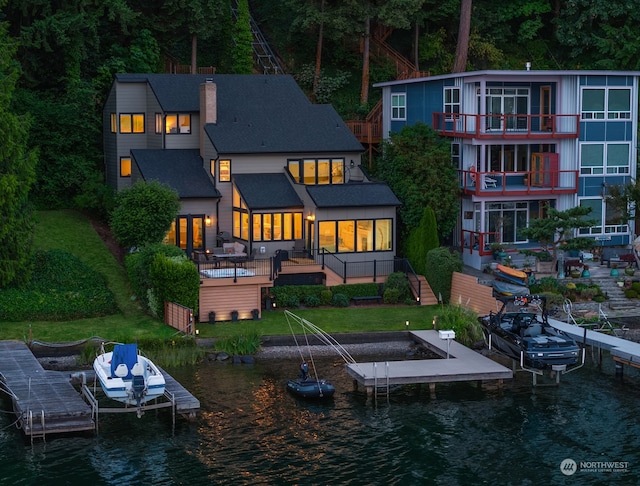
[46, 402]
[622, 350]
[462, 364]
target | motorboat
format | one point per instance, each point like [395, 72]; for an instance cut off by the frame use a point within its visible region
[127, 376]
[521, 331]
[311, 388]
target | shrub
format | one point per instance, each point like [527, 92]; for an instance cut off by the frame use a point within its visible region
[239, 345]
[391, 296]
[174, 279]
[61, 288]
[441, 264]
[630, 294]
[463, 321]
[326, 296]
[340, 300]
[399, 282]
[311, 301]
[636, 286]
[356, 290]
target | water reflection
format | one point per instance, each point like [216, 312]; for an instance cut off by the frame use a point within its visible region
[251, 431]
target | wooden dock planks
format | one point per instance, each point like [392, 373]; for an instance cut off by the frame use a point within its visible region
[38, 392]
[463, 364]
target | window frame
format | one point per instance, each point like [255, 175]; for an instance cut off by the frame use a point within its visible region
[606, 114]
[335, 232]
[605, 169]
[399, 109]
[308, 171]
[136, 123]
[123, 173]
[224, 173]
[449, 105]
[603, 227]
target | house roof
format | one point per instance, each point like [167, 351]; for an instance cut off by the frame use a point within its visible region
[267, 191]
[255, 113]
[181, 170]
[353, 195]
[501, 74]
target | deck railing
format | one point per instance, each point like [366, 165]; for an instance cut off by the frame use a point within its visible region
[479, 241]
[539, 182]
[507, 126]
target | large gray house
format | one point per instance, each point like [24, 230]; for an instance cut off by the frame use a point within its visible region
[252, 158]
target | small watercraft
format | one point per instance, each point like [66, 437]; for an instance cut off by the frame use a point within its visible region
[128, 377]
[511, 275]
[311, 388]
[525, 335]
[507, 289]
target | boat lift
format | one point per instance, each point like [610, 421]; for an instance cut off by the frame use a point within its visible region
[603, 324]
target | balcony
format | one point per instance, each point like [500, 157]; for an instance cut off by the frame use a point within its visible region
[529, 183]
[510, 127]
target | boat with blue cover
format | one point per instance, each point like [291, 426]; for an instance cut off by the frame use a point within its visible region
[127, 376]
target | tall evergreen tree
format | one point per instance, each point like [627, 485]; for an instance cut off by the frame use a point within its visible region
[17, 174]
[243, 51]
[421, 240]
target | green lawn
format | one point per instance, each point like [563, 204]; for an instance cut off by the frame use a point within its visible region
[71, 231]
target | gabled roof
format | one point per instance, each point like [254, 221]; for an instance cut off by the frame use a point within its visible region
[267, 191]
[255, 113]
[368, 194]
[180, 169]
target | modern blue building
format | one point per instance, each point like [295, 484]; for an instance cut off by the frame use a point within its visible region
[524, 141]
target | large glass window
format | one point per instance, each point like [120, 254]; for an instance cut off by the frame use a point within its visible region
[606, 103]
[608, 221]
[506, 158]
[174, 123]
[349, 236]
[398, 106]
[317, 171]
[605, 158]
[188, 229]
[277, 226]
[507, 219]
[131, 122]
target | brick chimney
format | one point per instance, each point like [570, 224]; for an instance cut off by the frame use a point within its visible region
[208, 108]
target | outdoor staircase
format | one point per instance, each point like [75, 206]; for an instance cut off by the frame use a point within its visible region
[617, 300]
[369, 131]
[427, 297]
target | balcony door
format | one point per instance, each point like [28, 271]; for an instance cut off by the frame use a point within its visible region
[503, 105]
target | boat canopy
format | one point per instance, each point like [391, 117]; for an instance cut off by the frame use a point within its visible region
[126, 354]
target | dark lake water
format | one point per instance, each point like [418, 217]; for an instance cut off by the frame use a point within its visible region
[251, 431]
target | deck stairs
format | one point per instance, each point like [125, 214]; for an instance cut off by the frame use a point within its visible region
[427, 297]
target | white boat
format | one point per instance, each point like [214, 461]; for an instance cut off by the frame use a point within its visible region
[127, 376]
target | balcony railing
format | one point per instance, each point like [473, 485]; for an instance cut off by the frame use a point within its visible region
[479, 241]
[540, 182]
[508, 126]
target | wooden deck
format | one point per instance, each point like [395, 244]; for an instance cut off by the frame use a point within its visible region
[46, 402]
[463, 364]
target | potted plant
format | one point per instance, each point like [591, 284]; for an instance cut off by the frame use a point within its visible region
[585, 271]
[575, 273]
[498, 250]
[630, 271]
[614, 270]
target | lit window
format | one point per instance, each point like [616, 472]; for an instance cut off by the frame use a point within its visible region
[317, 171]
[114, 123]
[131, 123]
[125, 167]
[224, 171]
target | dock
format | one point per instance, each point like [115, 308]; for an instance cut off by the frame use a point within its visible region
[462, 364]
[46, 402]
[622, 350]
